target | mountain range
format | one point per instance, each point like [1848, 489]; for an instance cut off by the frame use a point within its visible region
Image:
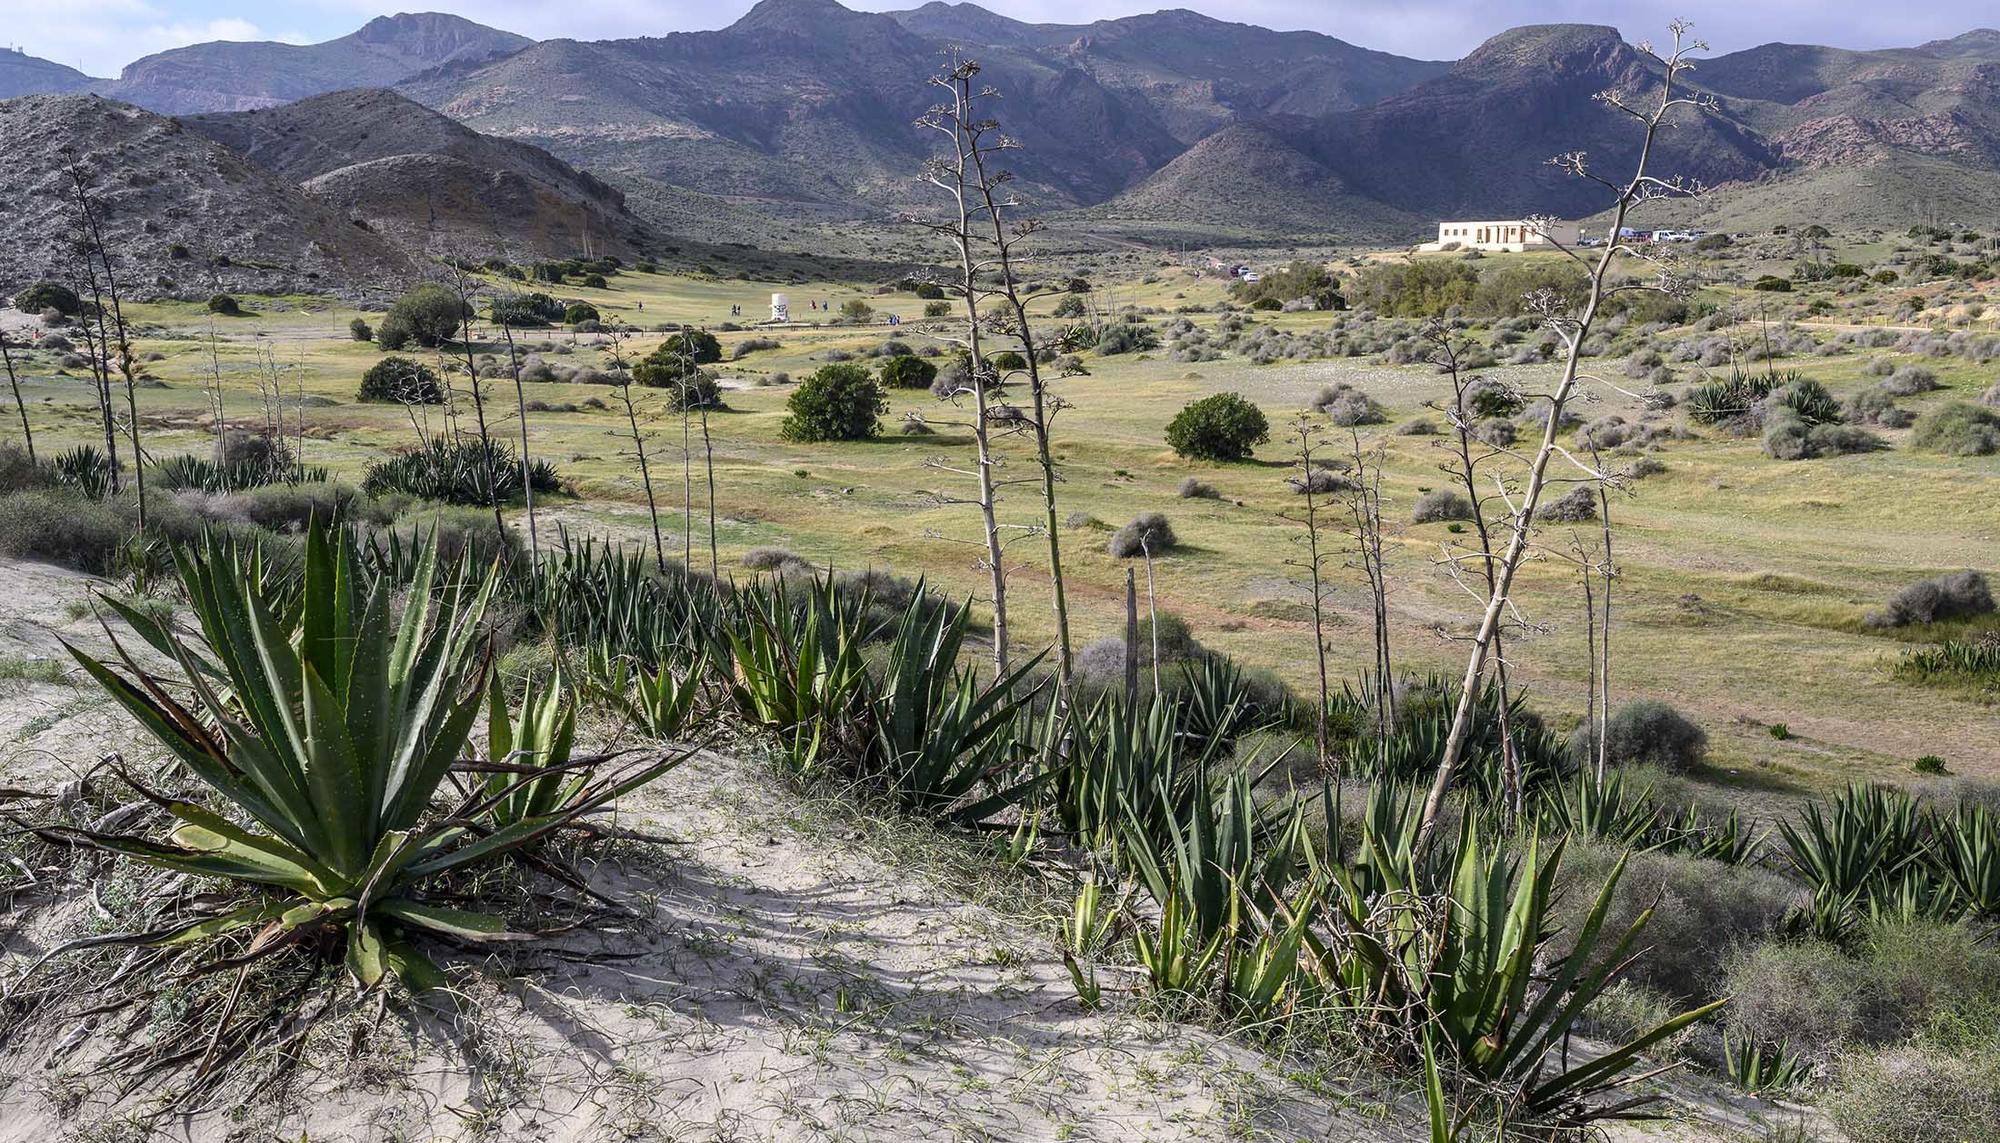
[805, 108]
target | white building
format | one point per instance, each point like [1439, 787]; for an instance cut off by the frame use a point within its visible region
[1507, 236]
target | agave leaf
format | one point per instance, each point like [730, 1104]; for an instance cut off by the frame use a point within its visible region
[451, 922]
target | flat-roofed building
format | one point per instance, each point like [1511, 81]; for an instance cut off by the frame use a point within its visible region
[1505, 236]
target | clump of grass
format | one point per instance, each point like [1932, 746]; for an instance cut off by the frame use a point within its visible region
[1195, 488]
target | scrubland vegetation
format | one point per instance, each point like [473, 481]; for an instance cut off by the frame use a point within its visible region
[1156, 606]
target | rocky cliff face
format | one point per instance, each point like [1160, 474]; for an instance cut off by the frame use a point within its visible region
[182, 214]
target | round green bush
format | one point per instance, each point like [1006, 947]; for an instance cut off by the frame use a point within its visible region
[1771, 283]
[937, 309]
[580, 312]
[225, 305]
[359, 330]
[1007, 361]
[1221, 427]
[524, 311]
[1645, 731]
[401, 381]
[696, 345]
[908, 371]
[839, 402]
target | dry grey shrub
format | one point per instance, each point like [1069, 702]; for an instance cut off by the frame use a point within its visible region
[1148, 531]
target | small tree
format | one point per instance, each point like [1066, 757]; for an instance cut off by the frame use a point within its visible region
[580, 312]
[908, 371]
[359, 330]
[839, 402]
[1221, 427]
[857, 311]
[430, 314]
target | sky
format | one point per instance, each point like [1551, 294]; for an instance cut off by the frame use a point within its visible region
[101, 36]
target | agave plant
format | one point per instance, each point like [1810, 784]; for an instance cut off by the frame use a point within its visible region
[532, 772]
[1475, 967]
[940, 736]
[798, 670]
[1852, 851]
[1758, 1067]
[84, 468]
[325, 723]
[1968, 851]
[659, 704]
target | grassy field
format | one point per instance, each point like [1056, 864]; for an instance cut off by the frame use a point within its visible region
[1744, 579]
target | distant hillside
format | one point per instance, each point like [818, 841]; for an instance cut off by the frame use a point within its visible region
[1249, 179]
[230, 76]
[422, 178]
[182, 214]
[23, 74]
[1198, 73]
[804, 110]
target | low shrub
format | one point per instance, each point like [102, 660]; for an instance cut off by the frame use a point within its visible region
[772, 559]
[1900, 977]
[1644, 732]
[1955, 595]
[907, 371]
[359, 330]
[1194, 488]
[1572, 507]
[1440, 504]
[1788, 437]
[1347, 406]
[401, 381]
[65, 527]
[1910, 380]
[1148, 531]
[1917, 1093]
[462, 533]
[1703, 912]
[1958, 429]
[225, 305]
[1876, 405]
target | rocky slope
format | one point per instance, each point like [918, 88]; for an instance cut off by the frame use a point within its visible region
[230, 76]
[23, 74]
[425, 179]
[181, 213]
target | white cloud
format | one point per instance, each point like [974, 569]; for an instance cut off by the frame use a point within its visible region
[111, 33]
